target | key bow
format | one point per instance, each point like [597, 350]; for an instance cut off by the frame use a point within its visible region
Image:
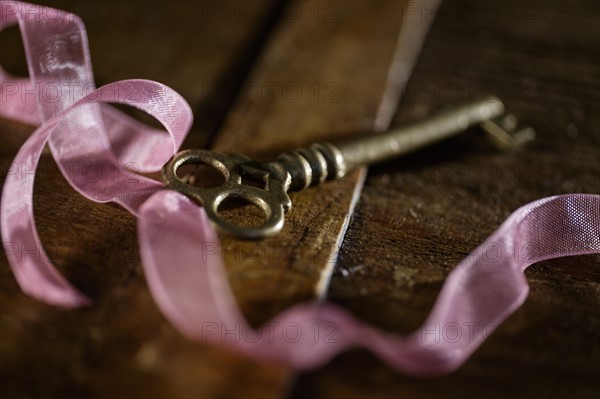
[242, 176]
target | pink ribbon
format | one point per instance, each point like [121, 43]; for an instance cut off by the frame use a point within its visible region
[177, 244]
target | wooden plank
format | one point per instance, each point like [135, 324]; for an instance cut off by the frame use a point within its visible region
[418, 217]
[122, 346]
[328, 73]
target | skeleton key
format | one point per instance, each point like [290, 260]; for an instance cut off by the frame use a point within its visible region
[312, 165]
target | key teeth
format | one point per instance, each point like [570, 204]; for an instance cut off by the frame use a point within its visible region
[313, 165]
[506, 134]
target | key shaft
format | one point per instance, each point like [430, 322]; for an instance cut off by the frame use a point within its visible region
[325, 161]
[382, 147]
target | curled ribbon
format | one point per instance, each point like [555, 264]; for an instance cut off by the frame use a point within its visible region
[188, 283]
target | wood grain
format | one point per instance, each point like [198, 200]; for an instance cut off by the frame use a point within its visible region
[302, 88]
[419, 216]
[122, 346]
[305, 89]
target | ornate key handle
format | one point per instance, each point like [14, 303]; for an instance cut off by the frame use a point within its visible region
[295, 170]
[272, 200]
[309, 166]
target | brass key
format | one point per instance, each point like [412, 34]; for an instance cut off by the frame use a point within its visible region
[302, 168]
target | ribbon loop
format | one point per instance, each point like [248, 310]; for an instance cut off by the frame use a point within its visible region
[97, 148]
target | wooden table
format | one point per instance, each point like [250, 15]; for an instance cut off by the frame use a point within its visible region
[241, 65]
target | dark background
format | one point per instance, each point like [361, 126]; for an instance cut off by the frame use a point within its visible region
[416, 219]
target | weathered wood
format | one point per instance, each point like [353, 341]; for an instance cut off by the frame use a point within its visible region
[419, 216]
[329, 72]
[122, 346]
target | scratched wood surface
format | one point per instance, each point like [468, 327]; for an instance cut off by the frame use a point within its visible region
[122, 346]
[290, 98]
[418, 217]
[303, 90]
